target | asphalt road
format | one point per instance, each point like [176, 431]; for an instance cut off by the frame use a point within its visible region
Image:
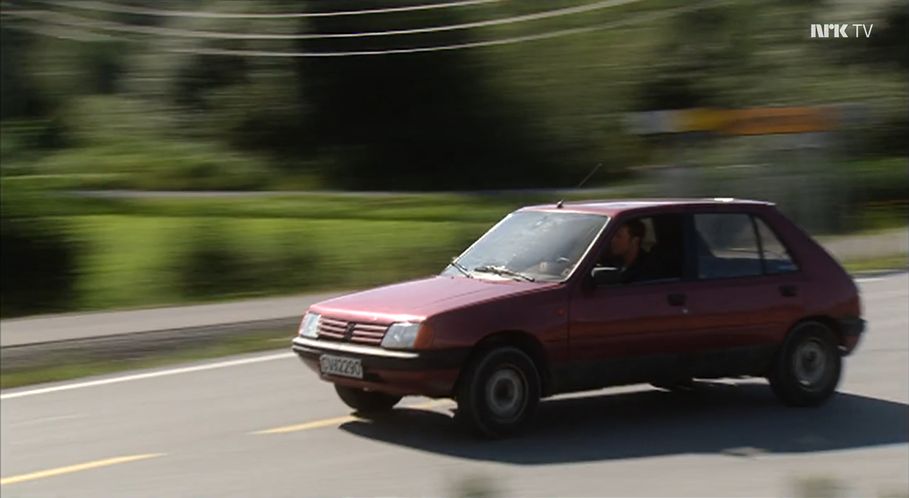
[264, 426]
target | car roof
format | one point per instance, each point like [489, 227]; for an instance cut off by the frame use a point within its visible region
[614, 207]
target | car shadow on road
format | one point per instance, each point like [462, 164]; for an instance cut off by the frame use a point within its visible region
[736, 419]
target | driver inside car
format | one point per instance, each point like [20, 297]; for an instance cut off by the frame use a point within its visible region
[625, 252]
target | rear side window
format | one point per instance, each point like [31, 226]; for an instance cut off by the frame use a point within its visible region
[776, 257]
[727, 246]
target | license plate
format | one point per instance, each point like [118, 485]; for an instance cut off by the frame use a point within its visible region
[339, 365]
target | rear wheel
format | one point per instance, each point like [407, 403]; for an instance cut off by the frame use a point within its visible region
[365, 401]
[807, 368]
[498, 392]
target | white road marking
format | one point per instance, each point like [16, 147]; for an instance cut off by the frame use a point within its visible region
[148, 375]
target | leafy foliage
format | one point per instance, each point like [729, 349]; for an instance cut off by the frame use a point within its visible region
[38, 264]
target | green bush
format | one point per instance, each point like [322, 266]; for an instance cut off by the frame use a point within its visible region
[296, 266]
[117, 142]
[211, 266]
[214, 264]
[880, 180]
[156, 165]
[38, 268]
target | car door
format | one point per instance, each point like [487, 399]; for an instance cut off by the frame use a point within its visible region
[745, 294]
[635, 332]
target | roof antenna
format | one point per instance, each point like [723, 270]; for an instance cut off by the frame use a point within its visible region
[595, 169]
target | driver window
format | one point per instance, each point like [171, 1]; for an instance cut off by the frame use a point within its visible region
[647, 249]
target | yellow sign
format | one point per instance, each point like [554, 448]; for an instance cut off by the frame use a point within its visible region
[751, 121]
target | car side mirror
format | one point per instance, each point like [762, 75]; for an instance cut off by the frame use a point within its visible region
[606, 275]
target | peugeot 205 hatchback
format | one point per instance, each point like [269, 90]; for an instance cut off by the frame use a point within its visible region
[558, 298]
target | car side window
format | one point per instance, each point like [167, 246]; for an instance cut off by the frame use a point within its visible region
[647, 249]
[727, 246]
[776, 257]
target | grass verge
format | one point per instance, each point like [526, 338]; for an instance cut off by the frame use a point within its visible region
[69, 367]
[894, 262]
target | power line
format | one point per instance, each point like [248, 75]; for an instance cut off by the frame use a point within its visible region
[126, 9]
[439, 48]
[72, 20]
[642, 18]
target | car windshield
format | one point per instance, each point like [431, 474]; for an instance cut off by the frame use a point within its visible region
[530, 245]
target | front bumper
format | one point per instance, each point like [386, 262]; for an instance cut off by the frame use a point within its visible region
[851, 329]
[428, 373]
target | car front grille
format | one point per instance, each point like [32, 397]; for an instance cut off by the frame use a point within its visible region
[341, 330]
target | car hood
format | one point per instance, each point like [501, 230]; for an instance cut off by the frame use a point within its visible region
[419, 299]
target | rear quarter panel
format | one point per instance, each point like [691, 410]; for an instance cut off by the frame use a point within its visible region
[828, 291]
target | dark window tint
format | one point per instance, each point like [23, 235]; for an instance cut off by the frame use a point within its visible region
[661, 252]
[726, 246]
[776, 257]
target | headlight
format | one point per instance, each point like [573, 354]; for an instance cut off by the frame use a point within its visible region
[309, 327]
[401, 335]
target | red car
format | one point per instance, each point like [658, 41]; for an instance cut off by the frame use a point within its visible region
[577, 296]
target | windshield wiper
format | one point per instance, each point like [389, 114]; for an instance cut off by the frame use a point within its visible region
[461, 268]
[501, 270]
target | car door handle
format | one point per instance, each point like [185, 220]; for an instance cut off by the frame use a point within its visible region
[789, 290]
[677, 299]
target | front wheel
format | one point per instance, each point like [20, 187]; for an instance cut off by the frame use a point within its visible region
[365, 401]
[498, 392]
[807, 368]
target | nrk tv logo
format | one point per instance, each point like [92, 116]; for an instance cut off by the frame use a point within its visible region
[841, 30]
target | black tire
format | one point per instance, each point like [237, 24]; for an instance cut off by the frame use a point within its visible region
[498, 392]
[366, 401]
[808, 366]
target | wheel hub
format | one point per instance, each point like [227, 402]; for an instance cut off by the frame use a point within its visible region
[810, 364]
[506, 393]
